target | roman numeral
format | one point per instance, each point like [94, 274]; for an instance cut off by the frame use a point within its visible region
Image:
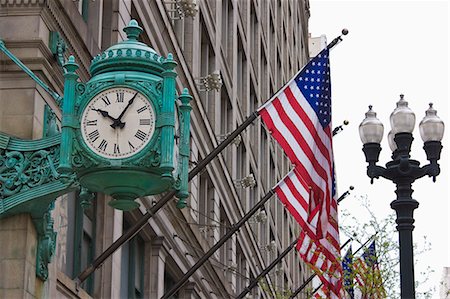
[119, 97]
[131, 145]
[91, 122]
[142, 109]
[103, 145]
[144, 122]
[106, 100]
[140, 135]
[93, 135]
[116, 149]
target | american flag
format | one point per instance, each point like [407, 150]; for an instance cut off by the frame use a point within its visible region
[368, 275]
[299, 118]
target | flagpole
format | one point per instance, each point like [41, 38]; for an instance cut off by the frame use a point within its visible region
[168, 196]
[305, 283]
[338, 39]
[255, 281]
[235, 227]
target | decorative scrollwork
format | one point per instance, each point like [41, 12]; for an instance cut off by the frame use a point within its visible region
[90, 87]
[153, 160]
[21, 171]
[159, 87]
[80, 159]
[46, 242]
[155, 89]
[81, 88]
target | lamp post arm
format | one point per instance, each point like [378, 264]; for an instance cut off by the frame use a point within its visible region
[375, 171]
[432, 170]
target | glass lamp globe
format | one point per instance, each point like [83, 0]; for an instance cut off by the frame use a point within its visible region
[402, 118]
[371, 129]
[431, 127]
[391, 141]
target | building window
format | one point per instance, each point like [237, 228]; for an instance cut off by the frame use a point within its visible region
[207, 67]
[206, 208]
[253, 194]
[80, 239]
[226, 250]
[241, 80]
[226, 122]
[83, 8]
[240, 270]
[253, 106]
[241, 170]
[227, 29]
[169, 282]
[264, 157]
[132, 267]
[254, 37]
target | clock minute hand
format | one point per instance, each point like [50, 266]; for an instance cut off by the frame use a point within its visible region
[118, 121]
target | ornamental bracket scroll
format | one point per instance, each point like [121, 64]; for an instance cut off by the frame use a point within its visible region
[29, 183]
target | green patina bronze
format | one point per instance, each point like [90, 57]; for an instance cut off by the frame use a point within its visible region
[35, 172]
[128, 64]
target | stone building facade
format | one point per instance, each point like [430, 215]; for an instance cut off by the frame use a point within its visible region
[256, 46]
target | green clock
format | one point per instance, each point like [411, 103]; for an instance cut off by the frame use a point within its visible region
[118, 129]
[118, 123]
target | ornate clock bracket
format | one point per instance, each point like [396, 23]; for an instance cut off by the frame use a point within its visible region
[29, 183]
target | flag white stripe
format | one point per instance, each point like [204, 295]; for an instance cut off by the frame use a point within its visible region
[290, 139]
[295, 146]
[306, 134]
[294, 202]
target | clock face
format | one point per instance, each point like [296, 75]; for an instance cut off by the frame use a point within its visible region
[117, 123]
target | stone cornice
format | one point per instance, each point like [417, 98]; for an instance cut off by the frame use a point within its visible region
[22, 3]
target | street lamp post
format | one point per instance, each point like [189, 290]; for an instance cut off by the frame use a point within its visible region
[403, 171]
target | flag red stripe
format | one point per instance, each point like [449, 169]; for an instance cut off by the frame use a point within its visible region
[308, 124]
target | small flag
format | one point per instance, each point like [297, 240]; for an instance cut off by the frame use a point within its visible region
[347, 266]
[323, 254]
[368, 274]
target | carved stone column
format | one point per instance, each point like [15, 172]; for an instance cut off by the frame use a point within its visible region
[155, 260]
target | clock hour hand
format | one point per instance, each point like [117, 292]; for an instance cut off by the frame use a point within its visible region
[118, 122]
[106, 114]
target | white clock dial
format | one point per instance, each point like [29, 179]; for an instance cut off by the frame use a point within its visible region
[118, 123]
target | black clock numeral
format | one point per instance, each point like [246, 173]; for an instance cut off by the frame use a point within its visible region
[144, 122]
[106, 100]
[91, 122]
[116, 149]
[94, 135]
[103, 145]
[131, 145]
[142, 109]
[119, 97]
[140, 135]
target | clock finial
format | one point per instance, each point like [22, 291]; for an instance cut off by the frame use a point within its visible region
[133, 30]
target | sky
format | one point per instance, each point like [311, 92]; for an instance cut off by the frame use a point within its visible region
[393, 48]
